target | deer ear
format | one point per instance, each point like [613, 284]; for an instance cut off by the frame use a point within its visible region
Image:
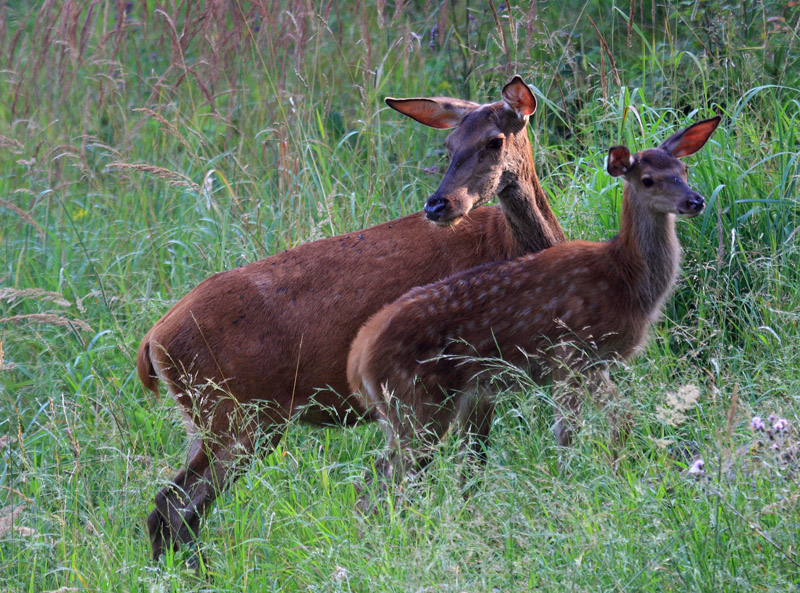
[437, 112]
[619, 161]
[519, 98]
[692, 139]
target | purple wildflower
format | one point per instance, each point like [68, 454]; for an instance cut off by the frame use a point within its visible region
[757, 423]
[780, 425]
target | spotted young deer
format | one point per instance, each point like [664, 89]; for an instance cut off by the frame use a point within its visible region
[249, 348]
[420, 363]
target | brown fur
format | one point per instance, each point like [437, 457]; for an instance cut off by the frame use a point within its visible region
[420, 363]
[276, 332]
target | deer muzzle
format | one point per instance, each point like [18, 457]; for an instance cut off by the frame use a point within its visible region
[692, 205]
[435, 207]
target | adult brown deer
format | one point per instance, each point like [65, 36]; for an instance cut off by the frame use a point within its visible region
[249, 348]
[420, 363]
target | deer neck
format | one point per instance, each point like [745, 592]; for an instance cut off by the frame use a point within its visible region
[649, 239]
[530, 223]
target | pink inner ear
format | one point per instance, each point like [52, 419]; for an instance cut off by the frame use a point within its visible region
[520, 99]
[430, 111]
[693, 140]
[438, 117]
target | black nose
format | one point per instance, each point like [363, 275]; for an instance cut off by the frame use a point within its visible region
[696, 203]
[434, 207]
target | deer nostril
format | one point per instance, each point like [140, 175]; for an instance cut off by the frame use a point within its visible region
[695, 203]
[435, 207]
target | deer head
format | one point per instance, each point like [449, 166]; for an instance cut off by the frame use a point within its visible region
[656, 179]
[489, 147]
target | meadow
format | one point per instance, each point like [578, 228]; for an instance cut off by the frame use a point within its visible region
[146, 145]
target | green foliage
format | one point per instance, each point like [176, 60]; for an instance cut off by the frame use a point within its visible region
[145, 146]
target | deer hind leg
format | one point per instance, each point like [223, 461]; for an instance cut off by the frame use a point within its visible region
[215, 460]
[477, 425]
[574, 378]
[605, 393]
[413, 420]
[214, 463]
[569, 382]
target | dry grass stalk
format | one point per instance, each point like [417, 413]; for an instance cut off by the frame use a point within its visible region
[3, 442]
[380, 8]
[781, 505]
[720, 238]
[4, 366]
[170, 128]
[630, 23]
[503, 43]
[24, 215]
[366, 36]
[44, 30]
[732, 413]
[171, 177]
[6, 141]
[12, 46]
[11, 294]
[607, 50]
[50, 319]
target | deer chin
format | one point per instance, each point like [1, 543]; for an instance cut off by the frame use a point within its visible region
[450, 217]
[690, 210]
[453, 221]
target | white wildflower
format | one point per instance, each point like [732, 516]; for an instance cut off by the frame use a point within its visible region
[698, 468]
[677, 404]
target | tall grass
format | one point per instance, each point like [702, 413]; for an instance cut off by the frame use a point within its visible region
[146, 145]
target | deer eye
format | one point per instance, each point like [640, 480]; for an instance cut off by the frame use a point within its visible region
[495, 144]
[647, 181]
